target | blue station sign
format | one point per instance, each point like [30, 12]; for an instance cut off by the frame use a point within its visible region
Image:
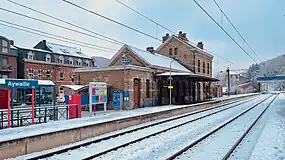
[18, 83]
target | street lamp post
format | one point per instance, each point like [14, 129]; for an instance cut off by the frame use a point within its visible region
[170, 80]
[123, 60]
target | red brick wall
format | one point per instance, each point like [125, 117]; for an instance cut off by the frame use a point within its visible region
[13, 62]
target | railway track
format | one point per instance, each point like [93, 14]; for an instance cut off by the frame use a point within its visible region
[240, 139]
[63, 150]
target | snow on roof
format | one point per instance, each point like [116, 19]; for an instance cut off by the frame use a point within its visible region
[74, 87]
[158, 60]
[45, 83]
[65, 50]
[175, 74]
[12, 47]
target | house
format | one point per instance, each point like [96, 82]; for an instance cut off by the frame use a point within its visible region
[146, 73]
[51, 61]
[8, 58]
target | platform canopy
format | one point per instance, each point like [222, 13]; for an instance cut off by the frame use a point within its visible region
[74, 87]
[190, 74]
[270, 78]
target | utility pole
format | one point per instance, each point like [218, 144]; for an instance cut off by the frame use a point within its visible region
[228, 74]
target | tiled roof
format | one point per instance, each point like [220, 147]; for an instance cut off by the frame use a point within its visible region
[65, 50]
[155, 59]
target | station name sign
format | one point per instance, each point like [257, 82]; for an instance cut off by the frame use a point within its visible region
[17, 83]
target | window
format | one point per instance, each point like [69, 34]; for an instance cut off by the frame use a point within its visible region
[79, 62]
[4, 48]
[30, 74]
[31, 55]
[170, 52]
[4, 43]
[48, 74]
[175, 51]
[61, 76]
[199, 65]
[147, 89]
[3, 76]
[40, 74]
[208, 68]
[70, 61]
[87, 63]
[61, 60]
[204, 70]
[61, 91]
[48, 58]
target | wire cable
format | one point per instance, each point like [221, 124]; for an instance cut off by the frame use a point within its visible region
[158, 24]
[224, 30]
[24, 30]
[236, 30]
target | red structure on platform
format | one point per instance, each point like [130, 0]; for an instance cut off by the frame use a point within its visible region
[75, 106]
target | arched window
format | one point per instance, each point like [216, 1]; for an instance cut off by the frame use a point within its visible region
[31, 56]
[87, 63]
[79, 62]
[70, 61]
[61, 59]
[170, 52]
[48, 58]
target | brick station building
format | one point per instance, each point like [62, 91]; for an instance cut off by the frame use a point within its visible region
[147, 77]
[8, 58]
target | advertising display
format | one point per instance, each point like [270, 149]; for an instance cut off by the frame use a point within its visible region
[97, 94]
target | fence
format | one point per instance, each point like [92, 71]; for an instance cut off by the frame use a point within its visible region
[23, 116]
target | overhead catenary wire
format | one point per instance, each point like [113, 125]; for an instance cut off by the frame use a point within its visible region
[223, 13]
[124, 25]
[64, 21]
[224, 31]
[24, 30]
[58, 36]
[112, 20]
[59, 26]
[158, 24]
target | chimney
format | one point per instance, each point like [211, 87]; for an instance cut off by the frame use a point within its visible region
[150, 49]
[200, 45]
[180, 34]
[164, 38]
[12, 42]
[44, 41]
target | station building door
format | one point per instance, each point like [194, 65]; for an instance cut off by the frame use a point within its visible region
[137, 88]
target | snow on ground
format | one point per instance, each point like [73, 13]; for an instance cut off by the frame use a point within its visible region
[132, 127]
[217, 145]
[144, 149]
[124, 154]
[271, 144]
[37, 129]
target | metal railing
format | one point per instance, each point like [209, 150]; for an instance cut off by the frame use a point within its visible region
[23, 116]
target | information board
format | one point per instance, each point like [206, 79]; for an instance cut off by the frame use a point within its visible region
[97, 94]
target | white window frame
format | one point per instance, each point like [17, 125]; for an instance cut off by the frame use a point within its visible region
[48, 74]
[30, 74]
[61, 59]
[79, 62]
[48, 58]
[70, 59]
[31, 55]
[87, 63]
[40, 74]
[4, 43]
[61, 77]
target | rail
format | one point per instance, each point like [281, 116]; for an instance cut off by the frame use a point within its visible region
[175, 155]
[63, 150]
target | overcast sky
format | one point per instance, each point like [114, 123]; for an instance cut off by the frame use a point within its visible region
[261, 22]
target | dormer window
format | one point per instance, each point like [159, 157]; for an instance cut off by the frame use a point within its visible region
[87, 63]
[61, 60]
[31, 55]
[70, 61]
[48, 58]
[79, 62]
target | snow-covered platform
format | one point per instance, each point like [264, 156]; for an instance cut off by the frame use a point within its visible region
[44, 136]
